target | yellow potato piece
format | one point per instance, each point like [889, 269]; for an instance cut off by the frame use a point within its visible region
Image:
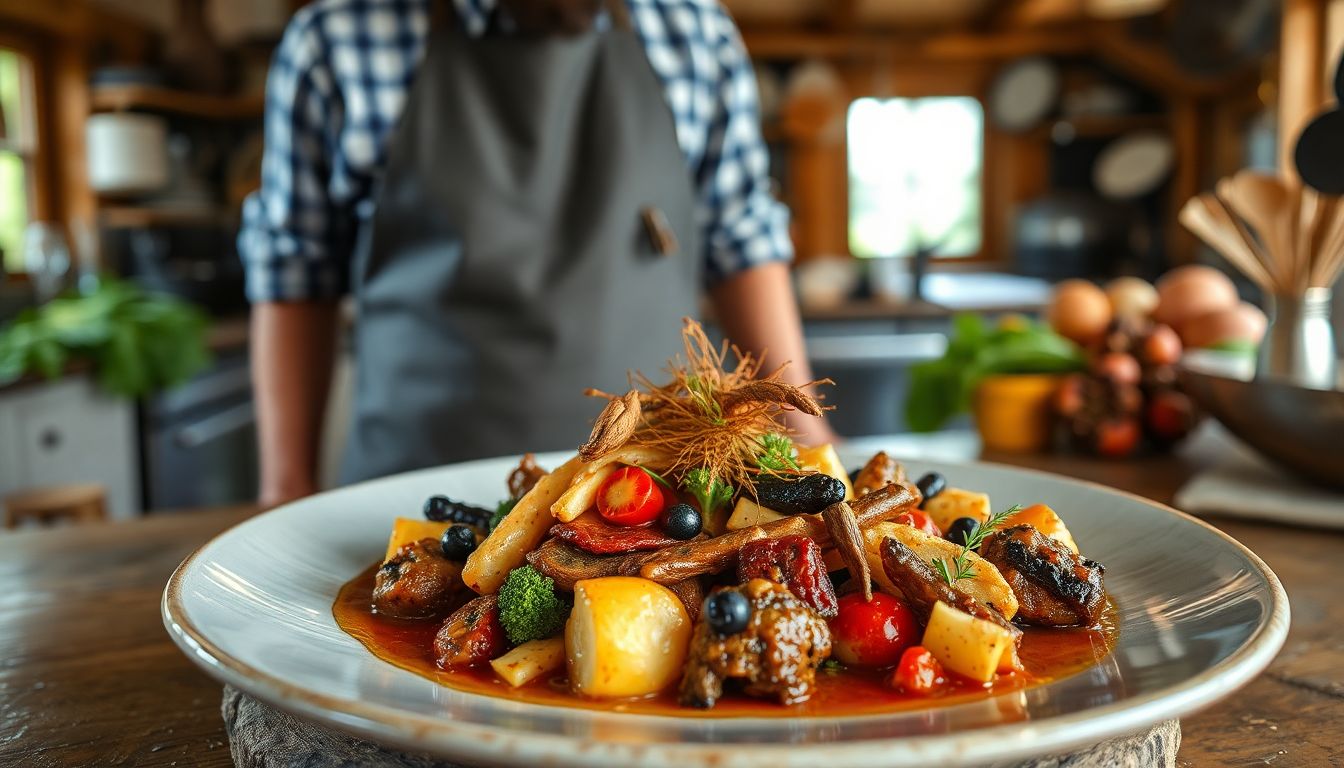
[626, 636]
[1045, 520]
[530, 660]
[987, 585]
[824, 459]
[953, 503]
[748, 513]
[965, 644]
[406, 530]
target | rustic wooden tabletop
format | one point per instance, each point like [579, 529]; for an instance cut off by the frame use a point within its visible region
[88, 675]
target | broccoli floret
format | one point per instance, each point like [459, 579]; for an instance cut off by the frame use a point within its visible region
[502, 509]
[710, 493]
[777, 453]
[529, 608]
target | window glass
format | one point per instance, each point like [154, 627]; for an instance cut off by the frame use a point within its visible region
[15, 156]
[914, 175]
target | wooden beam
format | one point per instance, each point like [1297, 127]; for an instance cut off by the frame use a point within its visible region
[1301, 74]
[931, 48]
[1153, 67]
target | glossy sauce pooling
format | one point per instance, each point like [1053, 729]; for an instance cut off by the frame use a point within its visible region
[1047, 654]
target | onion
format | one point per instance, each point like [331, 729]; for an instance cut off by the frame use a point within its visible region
[1191, 291]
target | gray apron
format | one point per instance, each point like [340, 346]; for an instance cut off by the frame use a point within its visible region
[507, 265]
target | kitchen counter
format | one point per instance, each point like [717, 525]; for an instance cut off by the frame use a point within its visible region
[88, 674]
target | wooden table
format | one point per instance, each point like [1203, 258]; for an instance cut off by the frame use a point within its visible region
[88, 675]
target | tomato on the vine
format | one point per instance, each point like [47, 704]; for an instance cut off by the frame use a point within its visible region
[872, 634]
[630, 497]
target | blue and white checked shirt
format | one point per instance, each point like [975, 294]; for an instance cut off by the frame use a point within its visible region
[337, 86]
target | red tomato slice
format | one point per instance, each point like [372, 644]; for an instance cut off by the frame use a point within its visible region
[872, 634]
[918, 518]
[630, 497]
[918, 672]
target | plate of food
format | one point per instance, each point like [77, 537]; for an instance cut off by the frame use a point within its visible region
[693, 588]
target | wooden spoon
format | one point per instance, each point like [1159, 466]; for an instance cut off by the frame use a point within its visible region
[1205, 216]
[1264, 202]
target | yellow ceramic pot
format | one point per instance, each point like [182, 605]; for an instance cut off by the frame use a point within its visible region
[1012, 411]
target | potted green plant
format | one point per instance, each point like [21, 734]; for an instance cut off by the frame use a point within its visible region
[1005, 375]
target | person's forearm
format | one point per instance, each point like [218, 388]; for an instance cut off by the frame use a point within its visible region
[293, 348]
[758, 313]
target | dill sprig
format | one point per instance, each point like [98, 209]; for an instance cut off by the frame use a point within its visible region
[960, 567]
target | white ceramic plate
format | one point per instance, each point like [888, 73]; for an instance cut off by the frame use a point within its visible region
[1200, 616]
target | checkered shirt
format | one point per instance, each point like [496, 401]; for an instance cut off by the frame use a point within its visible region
[337, 86]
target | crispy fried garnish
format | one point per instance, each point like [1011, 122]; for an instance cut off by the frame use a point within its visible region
[614, 427]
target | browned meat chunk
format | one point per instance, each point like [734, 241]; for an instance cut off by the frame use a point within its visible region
[418, 583]
[877, 473]
[471, 636]
[1054, 587]
[922, 587]
[591, 533]
[525, 476]
[776, 656]
[795, 562]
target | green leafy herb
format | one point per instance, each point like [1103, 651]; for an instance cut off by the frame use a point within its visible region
[940, 389]
[777, 453]
[832, 667]
[659, 479]
[502, 510]
[960, 567]
[138, 342]
[702, 392]
[710, 492]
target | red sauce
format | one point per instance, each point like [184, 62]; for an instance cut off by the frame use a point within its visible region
[1046, 654]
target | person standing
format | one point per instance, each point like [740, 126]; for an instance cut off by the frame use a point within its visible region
[524, 198]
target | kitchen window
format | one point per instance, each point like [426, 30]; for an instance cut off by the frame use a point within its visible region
[18, 150]
[915, 167]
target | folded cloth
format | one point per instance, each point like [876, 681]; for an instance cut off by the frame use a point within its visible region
[1242, 483]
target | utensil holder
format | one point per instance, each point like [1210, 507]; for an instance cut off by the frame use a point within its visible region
[1299, 346]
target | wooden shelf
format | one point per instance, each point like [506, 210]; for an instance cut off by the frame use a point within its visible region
[1104, 125]
[123, 98]
[133, 217]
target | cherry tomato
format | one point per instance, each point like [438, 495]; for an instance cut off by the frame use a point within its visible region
[872, 634]
[919, 519]
[918, 672]
[630, 497]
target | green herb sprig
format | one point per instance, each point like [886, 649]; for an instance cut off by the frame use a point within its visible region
[960, 567]
[777, 454]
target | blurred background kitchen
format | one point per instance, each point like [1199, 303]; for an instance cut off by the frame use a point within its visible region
[938, 158]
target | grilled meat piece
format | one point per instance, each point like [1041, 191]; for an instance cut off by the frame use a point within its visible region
[795, 562]
[591, 533]
[843, 526]
[525, 476]
[777, 655]
[880, 471]
[719, 553]
[1054, 587]
[418, 582]
[471, 636]
[921, 587]
[692, 595]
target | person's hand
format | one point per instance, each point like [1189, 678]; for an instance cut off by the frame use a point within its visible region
[544, 17]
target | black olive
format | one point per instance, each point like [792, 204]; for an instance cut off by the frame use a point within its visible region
[931, 485]
[961, 529]
[681, 522]
[800, 495]
[727, 611]
[458, 542]
[442, 509]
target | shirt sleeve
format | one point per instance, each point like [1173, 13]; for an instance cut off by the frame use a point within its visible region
[294, 241]
[744, 226]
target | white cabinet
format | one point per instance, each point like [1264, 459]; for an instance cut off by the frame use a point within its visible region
[69, 432]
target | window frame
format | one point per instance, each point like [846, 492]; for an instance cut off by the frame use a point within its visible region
[981, 254]
[38, 175]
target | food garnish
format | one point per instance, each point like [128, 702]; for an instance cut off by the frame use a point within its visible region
[777, 454]
[711, 493]
[529, 608]
[960, 567]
